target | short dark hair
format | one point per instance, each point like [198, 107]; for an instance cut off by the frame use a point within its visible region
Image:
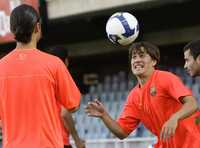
[194, 47]
[151, 49]
[59, 51]
[22, 22]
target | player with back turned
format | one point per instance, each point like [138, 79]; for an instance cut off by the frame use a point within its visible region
[32, 84]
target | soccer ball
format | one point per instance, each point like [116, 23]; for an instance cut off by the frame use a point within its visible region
[122, 28]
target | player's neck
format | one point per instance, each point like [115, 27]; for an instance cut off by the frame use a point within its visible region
[144, 78]
[26, 46]
[142, 81]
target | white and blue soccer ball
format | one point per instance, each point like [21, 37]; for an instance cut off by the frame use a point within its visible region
[122, 28]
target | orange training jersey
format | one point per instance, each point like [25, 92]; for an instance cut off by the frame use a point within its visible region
[154, 103]
[32, 83]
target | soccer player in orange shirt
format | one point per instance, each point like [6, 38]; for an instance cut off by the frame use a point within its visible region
[32, 84]
[160, 101]
[192, 58]
[62, 53]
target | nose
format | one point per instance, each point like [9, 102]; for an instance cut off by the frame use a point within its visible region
[136, 59]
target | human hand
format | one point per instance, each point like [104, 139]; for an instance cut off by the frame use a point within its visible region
[95, 108]
[168, 129]
[80, 143]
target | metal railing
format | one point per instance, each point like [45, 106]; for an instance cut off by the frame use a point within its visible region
[142, 142]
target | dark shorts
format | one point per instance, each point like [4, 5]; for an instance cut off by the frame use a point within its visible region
[67, 146]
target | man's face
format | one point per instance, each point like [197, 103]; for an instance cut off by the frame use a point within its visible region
[191, 65]
[141, 63]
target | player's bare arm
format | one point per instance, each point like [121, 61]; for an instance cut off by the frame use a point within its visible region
[96, 109]
[69, 124]
[189, 107]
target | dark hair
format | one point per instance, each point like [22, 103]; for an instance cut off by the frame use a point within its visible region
[194, 47]
[60, 52]
[22, 22]
[151, 49]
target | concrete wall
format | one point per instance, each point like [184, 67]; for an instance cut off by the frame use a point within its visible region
[63, 8]
[162, 38]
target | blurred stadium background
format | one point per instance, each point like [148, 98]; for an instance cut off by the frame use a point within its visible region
[100, 68]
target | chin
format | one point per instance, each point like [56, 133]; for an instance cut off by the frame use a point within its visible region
[194, 75]
[138, 74]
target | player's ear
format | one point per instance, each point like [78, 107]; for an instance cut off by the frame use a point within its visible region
[154, 62]
[198, 59]
[37, 27]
